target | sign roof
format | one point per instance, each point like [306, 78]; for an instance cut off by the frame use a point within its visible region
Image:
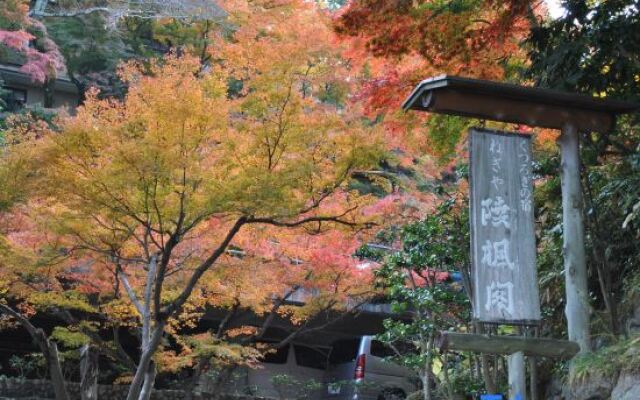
[516, 104]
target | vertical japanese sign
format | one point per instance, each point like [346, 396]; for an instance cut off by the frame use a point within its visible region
[503, 249]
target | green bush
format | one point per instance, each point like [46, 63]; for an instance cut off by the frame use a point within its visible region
[291, 388]
[607, 361]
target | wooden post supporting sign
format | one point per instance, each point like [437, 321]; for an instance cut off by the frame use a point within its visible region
[577, 307]
[517, 376]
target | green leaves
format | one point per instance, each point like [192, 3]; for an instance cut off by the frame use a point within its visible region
[416, 280]
[70, 338]
[61, 300]
[444, 133]
[594, 49]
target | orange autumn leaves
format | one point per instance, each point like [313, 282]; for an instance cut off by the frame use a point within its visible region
[399, 43]
[270, 130]
[181, 150]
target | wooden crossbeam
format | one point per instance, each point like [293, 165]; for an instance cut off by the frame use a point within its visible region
[491, 344]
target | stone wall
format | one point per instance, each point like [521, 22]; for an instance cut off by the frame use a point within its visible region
[14, 388]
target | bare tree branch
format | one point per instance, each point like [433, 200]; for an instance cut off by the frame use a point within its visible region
[202, 268]
[274, 312]
[127, 287]
[33, 331]
[290, 224]
[146, 316]
[303, 330]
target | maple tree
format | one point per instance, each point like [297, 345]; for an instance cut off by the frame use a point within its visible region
[453, 36]
[263, 131]
[155, 188]
[19, 275]
[393, 45]
[232, 174]
[310, 150]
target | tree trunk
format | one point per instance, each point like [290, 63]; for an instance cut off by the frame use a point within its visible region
[48, 348]
[222, 377]
[89, 357]
[426, 386]
[533, 368]
[428, 371]
[150, 336]
[203, 362]
[489, 382]
[149, 380]
[55, 370]
[577, 307]
[477, 368]
[48, 88]
[603, 267]
[423, 379]
[145, 362]
[81, 86]
[445, 374]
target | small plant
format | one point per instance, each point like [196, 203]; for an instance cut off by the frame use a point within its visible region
[28, 365]
[290, 388]
[463, 382]
[284, 385]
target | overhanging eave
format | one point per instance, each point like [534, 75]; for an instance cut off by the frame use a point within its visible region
[515, 104]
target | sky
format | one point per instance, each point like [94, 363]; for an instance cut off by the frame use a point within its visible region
[555, 9]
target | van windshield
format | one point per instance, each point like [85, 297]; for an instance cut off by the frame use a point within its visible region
[310, 357]
[344, 351]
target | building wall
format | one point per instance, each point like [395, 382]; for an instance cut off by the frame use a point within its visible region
[65, 94]
[61, 100]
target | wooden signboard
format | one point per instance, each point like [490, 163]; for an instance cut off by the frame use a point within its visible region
[503, 250]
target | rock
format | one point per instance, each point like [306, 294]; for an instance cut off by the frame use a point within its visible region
[627, 388]
[594, 388]
[415, 395]
[632, 324]
[553, 389]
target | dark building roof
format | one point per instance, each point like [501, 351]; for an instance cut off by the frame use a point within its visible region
[12, 75]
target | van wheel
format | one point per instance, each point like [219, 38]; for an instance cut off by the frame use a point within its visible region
[392, 394]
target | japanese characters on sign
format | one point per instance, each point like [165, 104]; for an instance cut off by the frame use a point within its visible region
[502, 228]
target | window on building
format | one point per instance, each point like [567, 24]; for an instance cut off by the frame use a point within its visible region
[15, 99]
